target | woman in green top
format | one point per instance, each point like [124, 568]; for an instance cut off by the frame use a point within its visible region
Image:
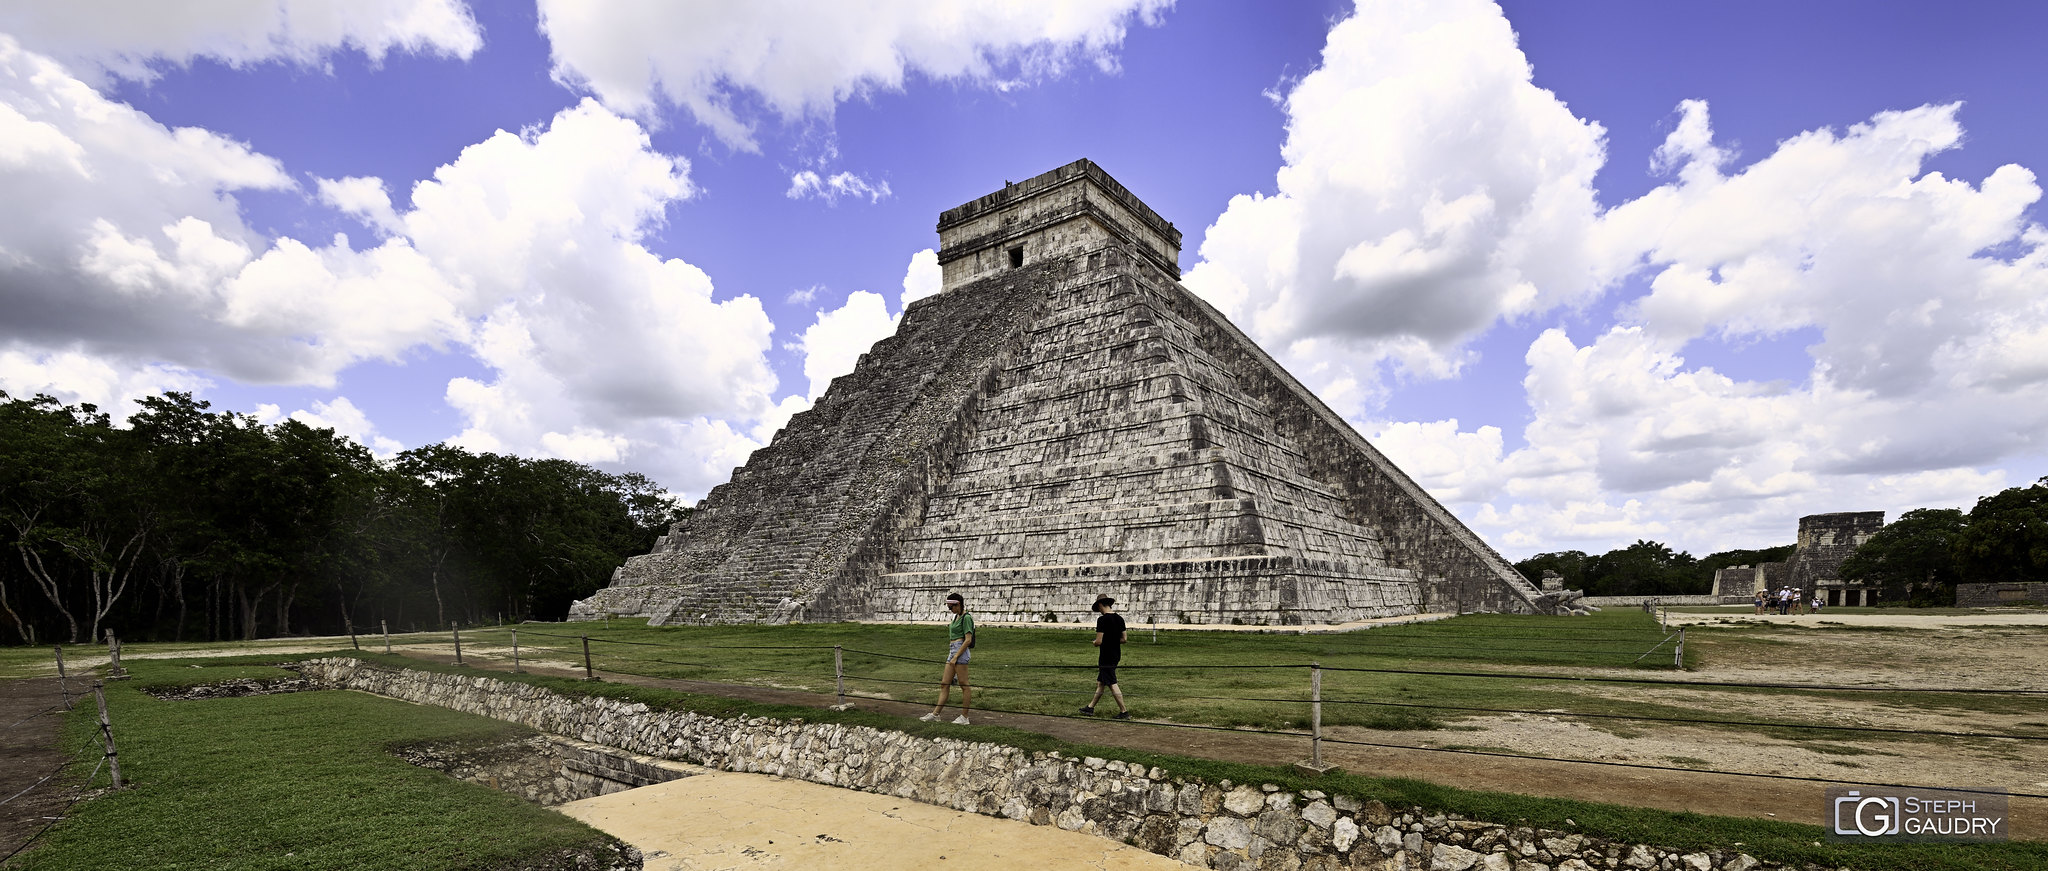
[959, 649]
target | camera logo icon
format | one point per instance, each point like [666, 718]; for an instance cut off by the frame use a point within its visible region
[1867, 815]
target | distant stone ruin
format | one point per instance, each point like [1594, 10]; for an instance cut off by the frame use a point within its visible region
[1825, 541]
[1065, 420]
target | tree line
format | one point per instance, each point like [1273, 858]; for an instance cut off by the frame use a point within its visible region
[189, 524]
[1916, 559]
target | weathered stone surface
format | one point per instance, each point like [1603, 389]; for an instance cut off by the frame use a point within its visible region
[1450, 857]
[1065, 419]
[1343, 834]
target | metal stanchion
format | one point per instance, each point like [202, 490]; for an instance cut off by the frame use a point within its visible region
[458, 641]
[588, 672]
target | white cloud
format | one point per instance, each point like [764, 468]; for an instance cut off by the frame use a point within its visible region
[1403, 225]
[601, 349]
[808, 183]
[74, 376]
[344, 418]
[363, 198]
[1931, 299]
[129, 39]
[526, 249]
[921, 278]
[836, 340]
[799, 60]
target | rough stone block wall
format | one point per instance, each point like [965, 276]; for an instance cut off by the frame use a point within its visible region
[1996, 595]
[1459, 571]
[1221, 825]
[1825, 541]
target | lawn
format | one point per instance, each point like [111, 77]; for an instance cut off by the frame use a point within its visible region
[294, 781]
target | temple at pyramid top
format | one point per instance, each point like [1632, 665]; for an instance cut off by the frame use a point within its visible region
[1063, 421]
[1075, 208]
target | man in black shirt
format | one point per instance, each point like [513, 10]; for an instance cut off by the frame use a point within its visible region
[1110, 635]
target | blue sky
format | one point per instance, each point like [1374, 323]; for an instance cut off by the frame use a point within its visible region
[1591, 271]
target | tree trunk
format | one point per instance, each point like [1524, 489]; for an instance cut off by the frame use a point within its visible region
[40, 574]
[21, 627]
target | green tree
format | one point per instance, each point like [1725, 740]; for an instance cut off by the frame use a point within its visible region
[1912, 558]
[71, 509]
[1568, 564]
[2007, 537]
[1646, 568]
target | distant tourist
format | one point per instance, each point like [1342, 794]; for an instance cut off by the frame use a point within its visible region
[1761, 598]
[1110, 636]
[1817, 601]
[959, 649]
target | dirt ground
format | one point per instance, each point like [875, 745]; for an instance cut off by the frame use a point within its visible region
[31, 718]
[746, 821]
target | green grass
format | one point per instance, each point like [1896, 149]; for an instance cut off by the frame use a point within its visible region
[1775, 841]
[1182, 676]
[295, 781]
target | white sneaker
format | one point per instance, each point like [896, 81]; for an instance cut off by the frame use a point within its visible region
[961, 720]
[930, 717]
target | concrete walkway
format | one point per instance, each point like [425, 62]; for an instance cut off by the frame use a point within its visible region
[724, 820]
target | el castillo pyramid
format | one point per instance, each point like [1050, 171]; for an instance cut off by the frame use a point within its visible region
[1065, 420]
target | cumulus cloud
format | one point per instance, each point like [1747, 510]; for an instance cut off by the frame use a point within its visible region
[129, 40]
[340, 415]
[808, 183]
[1400, 228]
[836, 340]
[526, 250]
[74, 376]
[714, 58]
[1930, 296]
[921, 278]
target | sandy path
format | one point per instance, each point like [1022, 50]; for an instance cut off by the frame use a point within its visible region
[746, 821]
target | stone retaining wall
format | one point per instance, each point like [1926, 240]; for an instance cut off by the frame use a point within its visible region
[1637, 601]
[1220, 825]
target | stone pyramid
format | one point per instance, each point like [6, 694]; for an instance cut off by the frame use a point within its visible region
[1065, 420]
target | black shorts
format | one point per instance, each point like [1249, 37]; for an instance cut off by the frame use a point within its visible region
[1105, 669]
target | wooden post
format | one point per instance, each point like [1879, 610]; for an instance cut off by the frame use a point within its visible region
[107, 732]
[515, 652]
[114, 670]
[1315, 764]
[839, 675]
[63, 680]
[588, 673]
[387, 634]
[1315, 713]
[1678, 655]
[458, 641]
